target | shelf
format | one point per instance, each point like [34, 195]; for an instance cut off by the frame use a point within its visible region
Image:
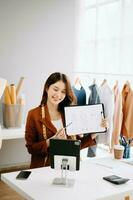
[13, 133]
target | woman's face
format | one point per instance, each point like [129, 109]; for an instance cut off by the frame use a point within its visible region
[56, 92]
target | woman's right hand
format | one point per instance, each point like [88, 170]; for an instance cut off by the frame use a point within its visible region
[60, 134]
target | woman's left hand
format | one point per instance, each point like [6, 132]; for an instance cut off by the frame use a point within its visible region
[93, 136]
[104, 123]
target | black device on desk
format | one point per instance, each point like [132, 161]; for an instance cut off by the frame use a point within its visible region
[116, 179]
[23, 175]
[64, 156]
[64, 149]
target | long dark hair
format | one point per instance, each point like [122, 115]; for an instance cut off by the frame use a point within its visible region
[69, 99]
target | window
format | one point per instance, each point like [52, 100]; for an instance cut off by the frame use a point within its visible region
[105, 36]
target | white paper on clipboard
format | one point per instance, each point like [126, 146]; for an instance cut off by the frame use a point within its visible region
[84, 119]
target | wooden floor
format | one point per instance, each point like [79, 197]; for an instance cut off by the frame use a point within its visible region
[6, 193]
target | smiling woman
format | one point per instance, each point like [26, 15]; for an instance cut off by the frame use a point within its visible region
[48, 121]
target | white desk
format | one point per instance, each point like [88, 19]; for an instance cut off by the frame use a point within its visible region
[88, 182]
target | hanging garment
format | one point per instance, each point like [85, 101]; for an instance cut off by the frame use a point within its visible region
[117, 118]
[80, 94]
[107, 98]
[127, 104]
[93, 99]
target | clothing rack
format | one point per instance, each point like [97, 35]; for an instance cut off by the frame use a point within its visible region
[103, 74]
[88, 78]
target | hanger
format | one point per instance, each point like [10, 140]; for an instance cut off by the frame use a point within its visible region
[127, 83]
[127, 86]
[116, 84]
[104, 81]
[77, 83]
[94, 81]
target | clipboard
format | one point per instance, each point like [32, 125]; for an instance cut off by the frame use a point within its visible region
[84, 119]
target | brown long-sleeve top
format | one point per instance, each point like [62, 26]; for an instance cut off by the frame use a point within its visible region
[35, 142]
[127, 103]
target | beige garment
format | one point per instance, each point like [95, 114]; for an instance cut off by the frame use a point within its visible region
[127, 102]
[107, 98]
[117, 118]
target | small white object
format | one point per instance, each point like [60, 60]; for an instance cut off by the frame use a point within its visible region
[3, 83]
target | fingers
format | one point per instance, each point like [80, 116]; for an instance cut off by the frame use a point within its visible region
[104, 123]
[93, 136]
[81, 135]
[61, 134]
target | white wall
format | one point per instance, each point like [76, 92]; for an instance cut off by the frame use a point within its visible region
[36, 38]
